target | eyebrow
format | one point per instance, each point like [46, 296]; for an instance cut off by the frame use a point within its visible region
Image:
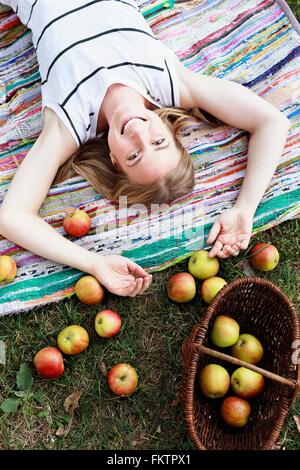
[157, 149]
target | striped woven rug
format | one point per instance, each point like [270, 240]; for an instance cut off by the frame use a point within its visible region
[252, 42]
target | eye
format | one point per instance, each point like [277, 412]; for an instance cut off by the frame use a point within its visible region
[135, 155]
[160, 141]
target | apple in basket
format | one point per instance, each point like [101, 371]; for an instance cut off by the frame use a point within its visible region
[264, 257]
[77, 223]
[89, 290]
[73, 340]
[246, 383]
[214, 381]
[107, 323]
[122, 379]
[225, 331]
[49, 363]
[8, 268]
[201, 266]
[210, 287]
[235, 411]
[181, 287]
[248, 349]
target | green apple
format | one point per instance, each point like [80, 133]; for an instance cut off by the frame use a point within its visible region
[246, 383]
[201, 266]
[214, 381]
[225, 331]
[248, 349]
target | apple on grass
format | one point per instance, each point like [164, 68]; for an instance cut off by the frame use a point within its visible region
[264, 257]
[181, 287]
[210, 287]
[107, 323]
[73, 340]
[235, 411]
[225, 331]
[49, 363]
[201, 266]
[248, 348]
[246, 383]
[89, 290]
[122, 379]
[214, 381]
[8, 268]
[77, 222]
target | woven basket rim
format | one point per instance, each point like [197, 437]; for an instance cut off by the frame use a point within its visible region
[195, 355]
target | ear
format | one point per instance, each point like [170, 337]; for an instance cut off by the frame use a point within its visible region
[113, 160]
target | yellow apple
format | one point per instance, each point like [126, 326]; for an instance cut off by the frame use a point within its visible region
[73, 340]
[214, 381]
[225, 331]
[8, 268]
[210, 287]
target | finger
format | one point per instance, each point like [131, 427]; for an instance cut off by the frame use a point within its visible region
[235, 250]
[228, 250]
[136, 270]
[223, 255]
[215, 249]
[243, 245]
[214, 232]
[137, 288]
[146, 284]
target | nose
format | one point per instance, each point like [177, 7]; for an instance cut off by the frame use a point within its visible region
[139, 130]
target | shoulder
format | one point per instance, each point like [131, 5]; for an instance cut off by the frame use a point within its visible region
[186, 79]
[55, 128]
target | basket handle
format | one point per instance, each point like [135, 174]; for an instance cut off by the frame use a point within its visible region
[238, 362]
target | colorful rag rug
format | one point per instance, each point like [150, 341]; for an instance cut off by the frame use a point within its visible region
[253, 42]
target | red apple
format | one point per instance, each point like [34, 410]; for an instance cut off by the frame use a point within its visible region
[89, 290]
[122, 379]
[225, 331]
[77, 223]
[267, 258]
[107, 323]
[246, 383]
[214, 381]
[49, 363]
[73, 340]
[248, 349]
[181, 287]
[210, 287]
[235, 411]
[8, 268]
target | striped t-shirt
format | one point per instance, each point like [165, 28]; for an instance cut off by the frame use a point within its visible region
[84, 46]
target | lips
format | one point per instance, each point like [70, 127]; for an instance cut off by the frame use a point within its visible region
[129, 119]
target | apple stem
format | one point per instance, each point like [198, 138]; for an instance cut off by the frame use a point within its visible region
[238, 362]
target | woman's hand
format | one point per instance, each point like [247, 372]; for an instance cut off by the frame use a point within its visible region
[231, 232]
[120, 275]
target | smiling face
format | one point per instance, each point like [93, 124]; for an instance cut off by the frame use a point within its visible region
[141, 145]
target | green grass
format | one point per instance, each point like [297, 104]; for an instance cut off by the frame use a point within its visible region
[151, 336]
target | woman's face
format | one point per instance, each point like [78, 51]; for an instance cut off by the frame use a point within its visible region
[141, 145]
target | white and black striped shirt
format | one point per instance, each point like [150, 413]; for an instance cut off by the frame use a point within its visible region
[84, 46]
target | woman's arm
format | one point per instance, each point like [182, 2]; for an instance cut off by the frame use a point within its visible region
[20, 222]
[237, 106]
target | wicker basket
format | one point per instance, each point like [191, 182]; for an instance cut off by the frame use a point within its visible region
[263, 310]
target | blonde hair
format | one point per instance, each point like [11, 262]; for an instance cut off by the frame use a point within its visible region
[92, 162]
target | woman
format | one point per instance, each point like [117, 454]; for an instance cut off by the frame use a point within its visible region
[113, 100]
